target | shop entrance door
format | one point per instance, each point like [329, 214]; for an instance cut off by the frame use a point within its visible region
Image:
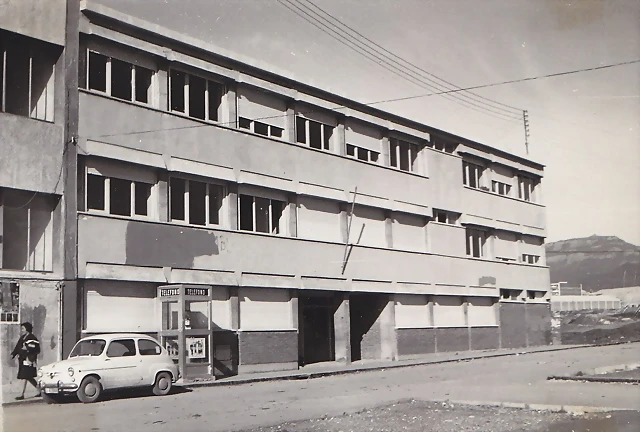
[317, 329]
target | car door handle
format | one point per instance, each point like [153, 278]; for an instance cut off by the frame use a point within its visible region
[107, 359]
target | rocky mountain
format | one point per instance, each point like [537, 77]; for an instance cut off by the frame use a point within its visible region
[596, 262]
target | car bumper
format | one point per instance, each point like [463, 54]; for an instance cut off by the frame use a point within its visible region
[58, 387]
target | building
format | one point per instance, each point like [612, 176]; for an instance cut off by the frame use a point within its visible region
[214, 210]
[38, 130]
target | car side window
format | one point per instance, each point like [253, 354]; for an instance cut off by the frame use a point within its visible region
[148, 347]
[121, 348]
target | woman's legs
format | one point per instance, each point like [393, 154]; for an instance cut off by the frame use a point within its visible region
[24, 387]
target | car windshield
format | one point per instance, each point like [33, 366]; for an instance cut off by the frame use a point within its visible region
[88, 347]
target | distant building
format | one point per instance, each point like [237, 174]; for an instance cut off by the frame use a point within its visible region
[584, 302]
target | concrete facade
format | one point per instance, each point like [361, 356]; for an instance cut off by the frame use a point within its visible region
[319, 235]
[38, 132]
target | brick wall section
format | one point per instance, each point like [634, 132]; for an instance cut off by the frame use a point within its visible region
[416, 341]
[539, 324]
[483, 338]
[262, 347]
[452, 339]
[513, 325]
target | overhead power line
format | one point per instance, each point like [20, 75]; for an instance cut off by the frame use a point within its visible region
[538, 77]
[389, 63]
[446, 85]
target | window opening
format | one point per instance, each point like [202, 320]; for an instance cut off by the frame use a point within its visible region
[472, 174]
[142, 198]
[97, 72]
[120, 197]
[178, 189]
[197, 90]
[177, 83]
[404, 155]
[475, 242]
[197, 198]
[121, 348]
[121, 79]
[9, 302]
[95, 192]
[260, 214]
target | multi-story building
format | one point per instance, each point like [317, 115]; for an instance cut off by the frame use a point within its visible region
[38, 130]
[253, 222]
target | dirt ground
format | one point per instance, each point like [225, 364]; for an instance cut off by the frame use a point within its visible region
[421, 416]
[598, 327]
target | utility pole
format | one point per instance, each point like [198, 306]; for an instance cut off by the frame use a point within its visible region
[525, 119]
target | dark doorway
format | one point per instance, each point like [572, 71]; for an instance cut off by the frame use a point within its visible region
[317, 328]
[364, 310]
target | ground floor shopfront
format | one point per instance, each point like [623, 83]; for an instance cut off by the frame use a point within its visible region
[225, 330]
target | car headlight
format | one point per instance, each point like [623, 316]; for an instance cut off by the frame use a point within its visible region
[40, 373]
[70, 371]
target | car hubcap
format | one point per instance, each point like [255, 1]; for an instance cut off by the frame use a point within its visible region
[163, 384]
[90, 389]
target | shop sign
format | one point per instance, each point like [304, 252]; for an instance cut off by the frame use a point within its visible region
[166, 292]
[196, 291]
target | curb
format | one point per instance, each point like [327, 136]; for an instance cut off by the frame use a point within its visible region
[594, 379]
[571, 409]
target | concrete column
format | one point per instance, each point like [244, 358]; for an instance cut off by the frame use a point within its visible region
[231, 101]
[388, 338]
[340, 143]
[292, 210]
[465, 311]
[342, 329]
[290, 122]
[234, 305]
[1, 227]
[71, 322]
[161, 101]
[385, 145]
[388, 228]
[423, 159]
[162, 206]
[232, 200]
[293, 302]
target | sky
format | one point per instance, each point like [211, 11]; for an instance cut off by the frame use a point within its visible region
[584, 127]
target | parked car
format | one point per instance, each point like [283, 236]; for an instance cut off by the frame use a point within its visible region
[109, 362]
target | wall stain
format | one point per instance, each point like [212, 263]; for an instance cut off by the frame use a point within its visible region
[167, 246]
[487, 280]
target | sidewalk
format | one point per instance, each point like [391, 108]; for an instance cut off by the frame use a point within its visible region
[318, 370]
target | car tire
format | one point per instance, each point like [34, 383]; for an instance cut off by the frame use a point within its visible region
[90, 390]
[162, 386]
[50, 399]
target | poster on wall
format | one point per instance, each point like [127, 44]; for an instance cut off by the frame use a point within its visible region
[9, 302]
[196, 348]
[171, 345]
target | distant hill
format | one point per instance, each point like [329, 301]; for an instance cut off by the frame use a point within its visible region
[596, 262]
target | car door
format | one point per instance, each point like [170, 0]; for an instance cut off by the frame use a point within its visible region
[122, 364]
[151, 357]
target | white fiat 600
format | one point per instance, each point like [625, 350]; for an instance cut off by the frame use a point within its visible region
[109, 362]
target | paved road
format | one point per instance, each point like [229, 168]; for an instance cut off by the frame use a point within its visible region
[503, 379]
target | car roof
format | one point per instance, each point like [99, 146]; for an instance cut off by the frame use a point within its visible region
[110, 336]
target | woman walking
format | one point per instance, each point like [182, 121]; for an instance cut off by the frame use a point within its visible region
[27, 350]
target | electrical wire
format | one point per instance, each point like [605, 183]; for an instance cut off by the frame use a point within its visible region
[495, 84]
[447, 85]
[374, 56]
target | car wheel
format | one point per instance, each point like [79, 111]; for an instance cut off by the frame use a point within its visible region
[50, 399]
[162, 385]
[90, 390]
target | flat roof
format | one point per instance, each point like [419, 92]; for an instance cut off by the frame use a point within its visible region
[90, 7]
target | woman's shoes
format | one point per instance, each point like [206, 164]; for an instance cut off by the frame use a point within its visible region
[19, 397]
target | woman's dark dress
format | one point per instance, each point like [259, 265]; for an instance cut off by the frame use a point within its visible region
[27, 350]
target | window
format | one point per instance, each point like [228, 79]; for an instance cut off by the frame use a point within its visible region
[472, 174]
[531, 295]
[27, 230]
[507, 294]
[121, 348]
[444, 145]
[475, 242]
[9, 302]
[362, 154]
[27, 76]
[147, 347]
[260, 128]
[119, 79]
[194, 96]
[445, 217]
[195, 202]
[404, 155]
[526, 187]
[500, 188]
[88, 347]
[530, 259]
[315, 134]
[118, 196]
[260, 214]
